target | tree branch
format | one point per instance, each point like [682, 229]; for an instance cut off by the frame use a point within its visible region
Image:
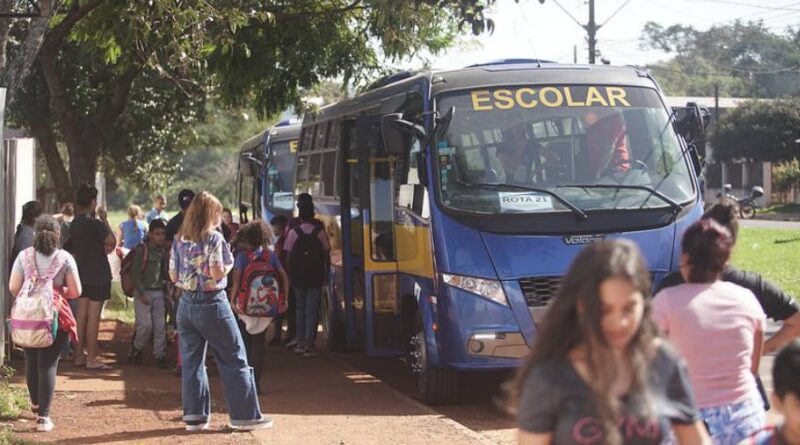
[19, 67]
[62, 30]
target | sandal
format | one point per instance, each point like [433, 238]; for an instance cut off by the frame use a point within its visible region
[98, 367]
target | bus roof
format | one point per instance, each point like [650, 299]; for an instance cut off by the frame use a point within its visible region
[280, 132]
[490, 75]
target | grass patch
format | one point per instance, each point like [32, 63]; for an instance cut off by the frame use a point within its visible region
[14, 399]
[782, 208]
[116, 309]
[7, 437]
[773, 253]
[116, 217]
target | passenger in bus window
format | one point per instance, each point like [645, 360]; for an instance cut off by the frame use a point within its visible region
[516, 155]
[606, 143]
[597, 372]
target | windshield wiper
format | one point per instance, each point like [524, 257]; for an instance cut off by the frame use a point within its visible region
[676, 208]
[576, 210]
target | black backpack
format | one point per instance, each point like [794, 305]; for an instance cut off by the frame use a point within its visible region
[307, 260]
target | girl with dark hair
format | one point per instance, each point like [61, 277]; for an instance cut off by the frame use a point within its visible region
[718, 327]
[598, 373]
[41, 363]
[90, 241]
[199, 264]
[23, 237]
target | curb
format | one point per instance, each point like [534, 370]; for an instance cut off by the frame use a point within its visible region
[791, 217]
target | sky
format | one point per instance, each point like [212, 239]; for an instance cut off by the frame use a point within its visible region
[529, 29]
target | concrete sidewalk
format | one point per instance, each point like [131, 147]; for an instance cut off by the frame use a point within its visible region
[318, 400]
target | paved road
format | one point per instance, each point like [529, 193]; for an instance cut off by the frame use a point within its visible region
[767, 224]
[482, 394]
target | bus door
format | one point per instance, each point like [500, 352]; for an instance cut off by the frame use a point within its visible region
[376, 170]
[352, 239]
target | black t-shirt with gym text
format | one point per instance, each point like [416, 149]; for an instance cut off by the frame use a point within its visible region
[777, 304]
[555, 399]
[86, 243]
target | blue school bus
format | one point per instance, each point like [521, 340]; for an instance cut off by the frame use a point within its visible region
[456, 200]
[265, 180]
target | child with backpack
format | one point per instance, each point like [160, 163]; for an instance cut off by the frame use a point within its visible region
[148, 278]
[308, 252]
[259, 287]
[42, 279]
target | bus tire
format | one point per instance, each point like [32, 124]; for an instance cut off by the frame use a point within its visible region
[437, 386]
[333, 331]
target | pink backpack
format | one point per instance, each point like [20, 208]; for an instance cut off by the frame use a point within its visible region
[34, 316]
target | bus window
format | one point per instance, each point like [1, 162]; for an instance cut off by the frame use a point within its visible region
[319, 136]
[333, 135]
[302, 174]
[307, 138]
[314, 179]
[382, 211]
[328, 169]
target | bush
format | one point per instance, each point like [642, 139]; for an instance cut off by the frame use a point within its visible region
[786, 174]
[13, 399]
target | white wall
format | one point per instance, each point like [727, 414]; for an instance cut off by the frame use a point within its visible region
[25, 168]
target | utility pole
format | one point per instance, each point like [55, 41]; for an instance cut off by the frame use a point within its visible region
[591, 29]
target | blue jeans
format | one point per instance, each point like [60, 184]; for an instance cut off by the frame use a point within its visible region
[206, 319]
[731, 424]
[307, 313]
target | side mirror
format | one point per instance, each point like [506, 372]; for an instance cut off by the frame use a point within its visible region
[397, 133]
[443, 123]
[249, 166]
[693, 124]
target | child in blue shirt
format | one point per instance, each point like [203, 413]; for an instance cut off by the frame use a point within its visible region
[253, 238]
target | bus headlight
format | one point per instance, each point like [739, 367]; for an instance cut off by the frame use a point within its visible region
[491, 289]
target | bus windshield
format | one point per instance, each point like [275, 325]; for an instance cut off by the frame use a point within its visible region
[540, 148]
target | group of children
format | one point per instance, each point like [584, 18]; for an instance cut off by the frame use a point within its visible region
[252, 242]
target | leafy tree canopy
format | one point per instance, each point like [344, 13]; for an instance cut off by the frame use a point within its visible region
[745, 59]
[122, 83]
[759, 131]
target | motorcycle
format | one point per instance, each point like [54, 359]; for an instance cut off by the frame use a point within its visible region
[747, 205]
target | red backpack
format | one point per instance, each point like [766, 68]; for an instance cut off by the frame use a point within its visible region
[259, 295]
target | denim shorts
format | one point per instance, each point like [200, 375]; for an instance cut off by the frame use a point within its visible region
[731, 424]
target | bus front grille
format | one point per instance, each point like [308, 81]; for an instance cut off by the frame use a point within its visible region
[539, 290]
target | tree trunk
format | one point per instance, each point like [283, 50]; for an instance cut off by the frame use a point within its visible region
[43, 130]
[14, 71]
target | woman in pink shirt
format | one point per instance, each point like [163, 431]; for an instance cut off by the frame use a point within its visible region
[718, 327]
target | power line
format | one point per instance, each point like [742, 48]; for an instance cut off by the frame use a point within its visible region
[751, 5]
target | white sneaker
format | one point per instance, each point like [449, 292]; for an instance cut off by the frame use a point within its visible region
[265, 423]
[291, 343]
[197, 427]
[44, 424]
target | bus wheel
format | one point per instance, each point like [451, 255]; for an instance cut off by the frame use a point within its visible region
[437, 386]
[333, 334]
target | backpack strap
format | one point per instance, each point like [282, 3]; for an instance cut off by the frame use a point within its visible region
[29, 263]
[315, 232]
[144, 257]
[56, 263]
[299, 231]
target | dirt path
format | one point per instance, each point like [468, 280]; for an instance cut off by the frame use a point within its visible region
[312, 400]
